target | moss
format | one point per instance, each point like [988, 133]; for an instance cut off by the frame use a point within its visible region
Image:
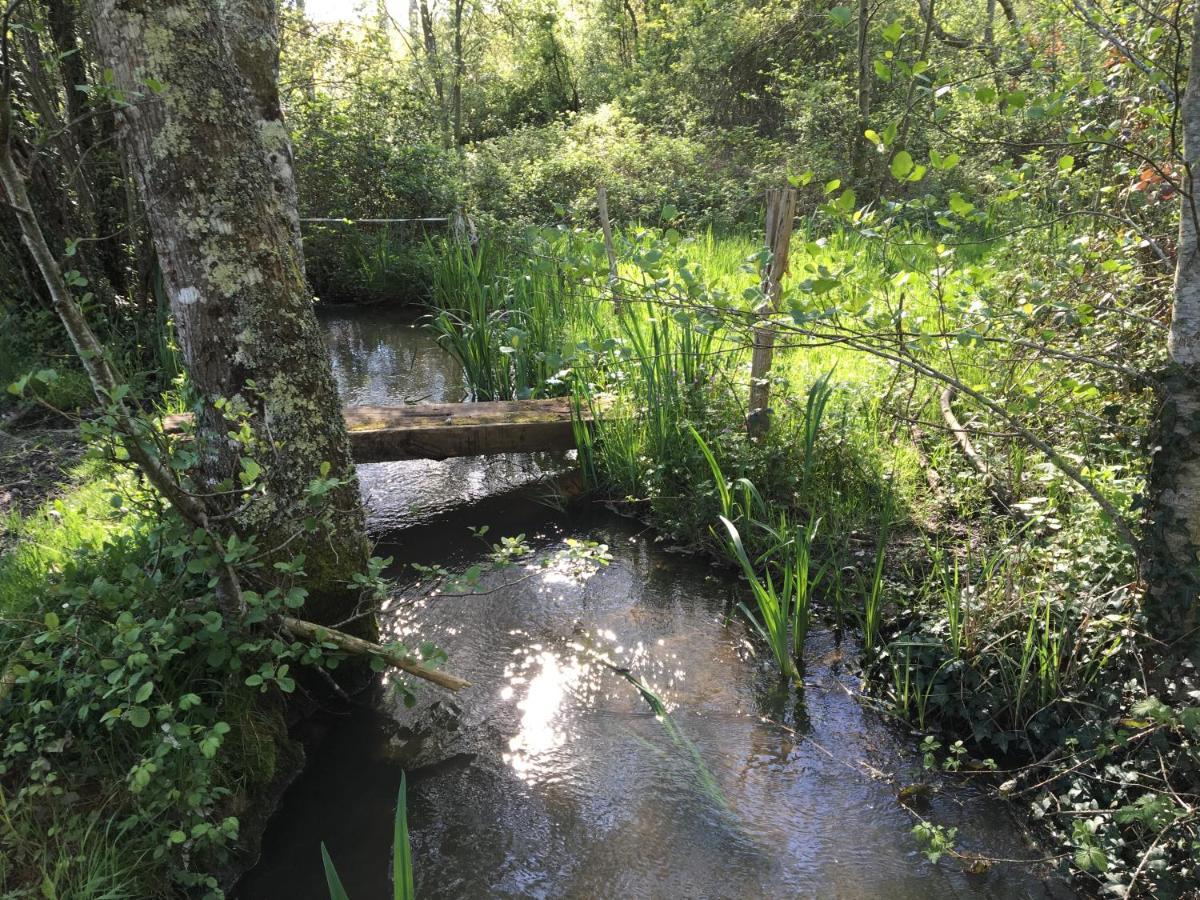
[263, 762]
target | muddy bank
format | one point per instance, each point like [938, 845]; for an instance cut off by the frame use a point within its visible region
[33, 467]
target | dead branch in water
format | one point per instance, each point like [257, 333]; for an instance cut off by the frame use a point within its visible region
[310, 631]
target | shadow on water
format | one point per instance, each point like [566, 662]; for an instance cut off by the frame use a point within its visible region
[621, 739]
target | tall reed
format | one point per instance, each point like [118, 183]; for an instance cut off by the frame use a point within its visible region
[508, 326]
[782, 579]
[814, 412]
[872, 587]
[402, 868]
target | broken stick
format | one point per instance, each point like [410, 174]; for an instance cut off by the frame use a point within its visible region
[310, 631]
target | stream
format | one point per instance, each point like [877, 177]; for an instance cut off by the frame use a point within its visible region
[552, 776]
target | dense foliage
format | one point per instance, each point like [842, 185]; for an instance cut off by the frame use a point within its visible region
[966, 385]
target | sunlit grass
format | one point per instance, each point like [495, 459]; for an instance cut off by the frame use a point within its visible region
[69, 530]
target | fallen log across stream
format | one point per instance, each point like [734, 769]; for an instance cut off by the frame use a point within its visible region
[444, 430]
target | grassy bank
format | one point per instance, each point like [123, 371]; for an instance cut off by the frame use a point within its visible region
[144, 726]
[998, 602]
[130, 747]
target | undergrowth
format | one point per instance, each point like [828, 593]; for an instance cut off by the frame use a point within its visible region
[1004, 630]
[139, 725]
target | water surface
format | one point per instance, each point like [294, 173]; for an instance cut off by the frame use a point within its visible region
[552, 776]
[385, 357]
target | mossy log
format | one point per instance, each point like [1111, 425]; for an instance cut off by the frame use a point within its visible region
[444, 430]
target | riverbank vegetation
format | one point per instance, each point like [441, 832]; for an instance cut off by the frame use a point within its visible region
[976, 459]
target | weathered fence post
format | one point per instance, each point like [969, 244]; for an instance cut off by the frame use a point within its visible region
[781, 211]
[462, 227]
[606, 227]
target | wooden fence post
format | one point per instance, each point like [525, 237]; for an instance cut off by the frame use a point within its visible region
[781, 212]
[606, 226]
[462, 227]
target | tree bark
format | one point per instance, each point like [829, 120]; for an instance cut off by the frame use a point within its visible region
[1173, 572]
[434, 63]
[96, 203]
[781, 214]
[206, 162]
[253, 28]
[863, 86]
[459, 73]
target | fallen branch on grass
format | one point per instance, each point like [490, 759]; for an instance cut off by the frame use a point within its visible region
[998, 490]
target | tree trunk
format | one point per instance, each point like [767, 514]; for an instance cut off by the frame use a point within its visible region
[206, 162]
[858, 152]
[253, 29]
[97, 205]
[429, 38]
[1173, 573]
[781, 214]
[459, 72]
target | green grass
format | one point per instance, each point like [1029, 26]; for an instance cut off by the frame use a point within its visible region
[63, 537]
[782, 580]
[121, 741]
[509, 324]
[674, 367]
[839, 498]
[88, 856]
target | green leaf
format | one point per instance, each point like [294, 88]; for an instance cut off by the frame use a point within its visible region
[902, 164]
[882, 70]
[1091, 859]
[893, 32]
[841, 15]
[986, 95]
[250, 471]
[943, 163]
[1015, 100]
[336, 891]
[669, 212]
[959, 205]
[1066, 163]
[144, 692]
[139, 716]
[50, 620]
[402, 868]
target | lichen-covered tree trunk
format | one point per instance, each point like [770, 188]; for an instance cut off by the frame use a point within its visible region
[253, 29]
[1173, 573]
[221, 209]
